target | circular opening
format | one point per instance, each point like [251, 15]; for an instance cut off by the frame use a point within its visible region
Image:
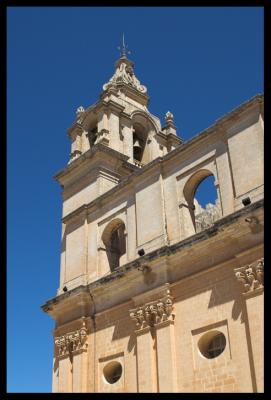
[112, 371]
[212, 344]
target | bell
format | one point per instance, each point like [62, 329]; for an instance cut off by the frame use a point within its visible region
[137, 145]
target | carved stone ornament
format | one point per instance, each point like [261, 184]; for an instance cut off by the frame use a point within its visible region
[125, 74]
[169, 117]
[152, 313]
[72, 341]
[251, 277]
[102, 137]
[79, 114]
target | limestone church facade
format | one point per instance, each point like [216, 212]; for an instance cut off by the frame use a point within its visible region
[156, 293]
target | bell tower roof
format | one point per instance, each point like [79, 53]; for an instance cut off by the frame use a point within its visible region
[124, 79]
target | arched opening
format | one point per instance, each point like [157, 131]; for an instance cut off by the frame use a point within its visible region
[207, 208]
[115, 243]
[92, 133]
[202, 201]
[139, 142]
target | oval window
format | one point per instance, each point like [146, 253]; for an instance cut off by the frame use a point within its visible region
[112, 371]
[212, 344]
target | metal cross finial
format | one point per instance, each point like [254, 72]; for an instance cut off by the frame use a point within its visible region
[124, 48]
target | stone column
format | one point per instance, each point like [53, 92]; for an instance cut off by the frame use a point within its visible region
[251, 279]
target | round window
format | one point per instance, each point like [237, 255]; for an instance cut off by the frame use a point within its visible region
[212, 344]
[112, 371]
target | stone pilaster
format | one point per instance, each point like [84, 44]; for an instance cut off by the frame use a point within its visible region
[65, 375]
[156, 365]
[251, 280]
[166, 354]
[146, 361]
[71, 356]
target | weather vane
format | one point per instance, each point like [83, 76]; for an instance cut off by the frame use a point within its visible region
[124, 48]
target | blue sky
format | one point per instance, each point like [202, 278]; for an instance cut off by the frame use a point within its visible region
[199, 63]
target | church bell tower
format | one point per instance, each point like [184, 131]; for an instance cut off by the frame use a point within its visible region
[110, 140]
[158, 294]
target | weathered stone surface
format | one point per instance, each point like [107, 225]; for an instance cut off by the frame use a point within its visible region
[146, 272]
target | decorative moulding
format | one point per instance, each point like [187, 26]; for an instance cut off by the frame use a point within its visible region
[251, 277]
[154, 312]
[72, 342]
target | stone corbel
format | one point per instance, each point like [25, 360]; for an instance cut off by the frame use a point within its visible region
[72, 342]
[251, 277]
[153, 313]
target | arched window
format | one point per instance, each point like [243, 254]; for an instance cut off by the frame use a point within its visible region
[115, 242]
[201, 197]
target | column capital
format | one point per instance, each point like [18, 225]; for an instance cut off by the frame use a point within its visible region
[153, 313]
[251, 277]
[72, 342]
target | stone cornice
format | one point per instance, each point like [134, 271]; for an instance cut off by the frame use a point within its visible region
[90, 154]
[174, 139]
[109, 105]
[220, 227]
[251, 277]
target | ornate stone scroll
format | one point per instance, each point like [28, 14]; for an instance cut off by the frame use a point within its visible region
[125, 74]
[71, 342]
[153, 313]
[251, 277]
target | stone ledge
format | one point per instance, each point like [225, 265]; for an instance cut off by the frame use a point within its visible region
[162, 251]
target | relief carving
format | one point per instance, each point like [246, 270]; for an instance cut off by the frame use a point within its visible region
[125, 74]
[153, 313]
[71, 342]
[251, 277]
